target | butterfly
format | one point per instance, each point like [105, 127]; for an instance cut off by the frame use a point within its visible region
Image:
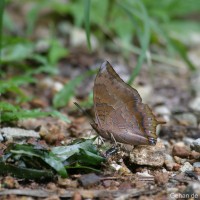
[120, 115]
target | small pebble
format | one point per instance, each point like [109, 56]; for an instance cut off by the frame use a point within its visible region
[1, 138]
[144, 174]
[196, 145]
[177, 159]
[161, 178]
[169, 162]
[115, 166]
[196, 164]
[176, 167]
[180, 151]
[89, 179]
[77, 196]
[162, 110]
[107, 183]
[193, 188]
[195, 104]
[186, 167]
[197, 170]
[195, 155]
[188, 141]
[51, 186]
[125, 186]
[10, 182]
[65, 182]
[187, 119]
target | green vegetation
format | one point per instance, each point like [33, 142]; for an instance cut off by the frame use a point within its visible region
[152, 30]
[127, 26]
[18, 160]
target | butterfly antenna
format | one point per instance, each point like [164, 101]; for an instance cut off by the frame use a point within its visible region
[84, 111]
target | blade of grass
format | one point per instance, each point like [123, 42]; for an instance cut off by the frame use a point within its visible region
[2, 5]
[8, 115]
[87, 22]
[154, 57]
[181, 49]
[174, 44]
[136, 50]
[145, 39]
[62, 98]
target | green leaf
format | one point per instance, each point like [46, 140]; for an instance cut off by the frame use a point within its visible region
[16, 52]
[4, 106]
[85, 158]
[25, 173]
[64, 152]
[13, 83]
[32, 14]
[22, 114]
[62, 98]
[56, 52]
[88, 103]
[181, 49]
[48, 157]
[59, 115]
[80, 154]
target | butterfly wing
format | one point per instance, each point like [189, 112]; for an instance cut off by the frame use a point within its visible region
[119, 110]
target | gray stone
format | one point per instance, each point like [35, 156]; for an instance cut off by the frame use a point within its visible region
[193, 189]
[186, 167]
[164, 112]
[169, 162]
[195, 104]
[145, 92]
[188, 141]
[11, 133]
[196, 164]
[148, 155]
[188, 118]
[42, 46]
[77, 39]
[89, 179]
[1, 137]
[196, 145]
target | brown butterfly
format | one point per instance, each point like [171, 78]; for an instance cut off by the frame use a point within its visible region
[120, 114]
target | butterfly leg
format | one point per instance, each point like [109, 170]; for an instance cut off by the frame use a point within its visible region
[112, 138]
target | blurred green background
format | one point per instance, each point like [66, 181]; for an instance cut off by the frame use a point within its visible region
[37, 35]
